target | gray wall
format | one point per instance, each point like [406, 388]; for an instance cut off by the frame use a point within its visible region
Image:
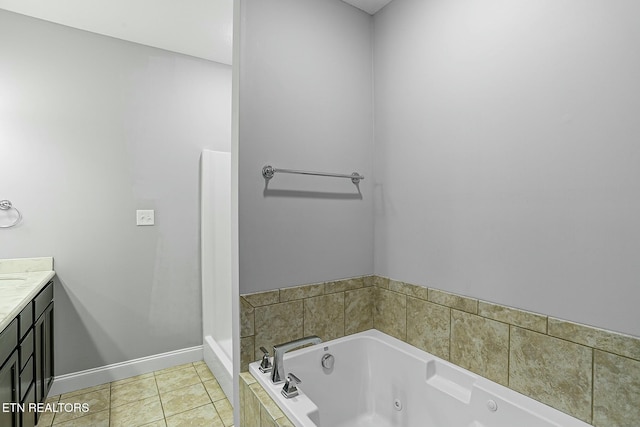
[91, 129]
[507, 155]
[305, 103]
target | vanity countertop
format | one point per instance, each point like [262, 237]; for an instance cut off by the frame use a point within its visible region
[20, 281]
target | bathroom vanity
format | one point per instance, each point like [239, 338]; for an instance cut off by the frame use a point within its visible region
[26, 338]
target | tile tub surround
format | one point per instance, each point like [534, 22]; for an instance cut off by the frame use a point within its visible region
[590, 373]
[257, 408]
[329, 310]
[34, 273]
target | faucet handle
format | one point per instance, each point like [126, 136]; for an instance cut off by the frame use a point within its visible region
[265, 364]
[290, 388]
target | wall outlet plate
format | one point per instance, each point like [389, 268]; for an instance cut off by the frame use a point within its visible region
[145, 217]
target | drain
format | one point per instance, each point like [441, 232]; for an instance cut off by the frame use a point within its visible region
[492, 405]
[397, 404]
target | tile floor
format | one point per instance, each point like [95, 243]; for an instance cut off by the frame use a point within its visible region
[184, 395]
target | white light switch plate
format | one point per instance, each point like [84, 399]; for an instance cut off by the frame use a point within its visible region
[145, 217]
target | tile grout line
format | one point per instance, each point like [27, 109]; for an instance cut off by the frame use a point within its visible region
[593, 381]
[164, 416]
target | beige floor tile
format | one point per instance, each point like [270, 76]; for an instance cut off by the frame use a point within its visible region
[225, 410]
[98, 419]
[85, 391]
[214, 390]
[97, 400]
[184, 399]
[159, 423]
[46, 419]
[53, 399]
[176, 379]
[204, 372]
[132, 391]
[202, 416]
[130, 379]
[137, 413]
[173, 368]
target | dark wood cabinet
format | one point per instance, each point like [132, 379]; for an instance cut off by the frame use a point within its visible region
[9, 416]
[44, 353]
[26, 360]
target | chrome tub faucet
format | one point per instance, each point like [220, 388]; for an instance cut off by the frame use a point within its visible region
[277, 372]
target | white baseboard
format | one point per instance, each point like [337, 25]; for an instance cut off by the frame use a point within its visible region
[91, 377]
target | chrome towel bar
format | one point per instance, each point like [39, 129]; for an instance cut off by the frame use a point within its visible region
[268, 172]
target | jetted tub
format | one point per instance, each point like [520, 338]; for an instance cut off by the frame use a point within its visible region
[377, 380]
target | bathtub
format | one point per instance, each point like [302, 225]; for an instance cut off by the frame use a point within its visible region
[380, 381]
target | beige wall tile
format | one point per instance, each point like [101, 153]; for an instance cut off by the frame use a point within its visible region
[459, 302]
[616, 390]
[251, 409]
[428, 327]
[248, 378]
[344, 285]
[284, 422]
[409, 289]
[358, 310]
[480, 345]
[299, 292]
[277, 324]
[246, 318]
[551, 370]
[390, 313]
[244, 389]
[324, 316]
[259, 299]
[367, 280]
[612, 342]
[265, 401]
[247, 352]
[265, 419]
[381, 282]
[513, 316]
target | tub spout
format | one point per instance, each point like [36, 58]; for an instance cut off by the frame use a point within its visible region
[277, 373]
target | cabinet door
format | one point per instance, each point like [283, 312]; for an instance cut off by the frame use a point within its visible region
[44, 353]
[48, 349]
[28, 418]
[9, 390]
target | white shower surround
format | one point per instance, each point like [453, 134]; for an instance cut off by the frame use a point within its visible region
[215, 220]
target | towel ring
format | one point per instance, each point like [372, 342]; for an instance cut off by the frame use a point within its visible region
[5, 205]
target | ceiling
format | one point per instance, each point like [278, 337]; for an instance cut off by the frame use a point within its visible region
[201, 28]
[369, 6]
